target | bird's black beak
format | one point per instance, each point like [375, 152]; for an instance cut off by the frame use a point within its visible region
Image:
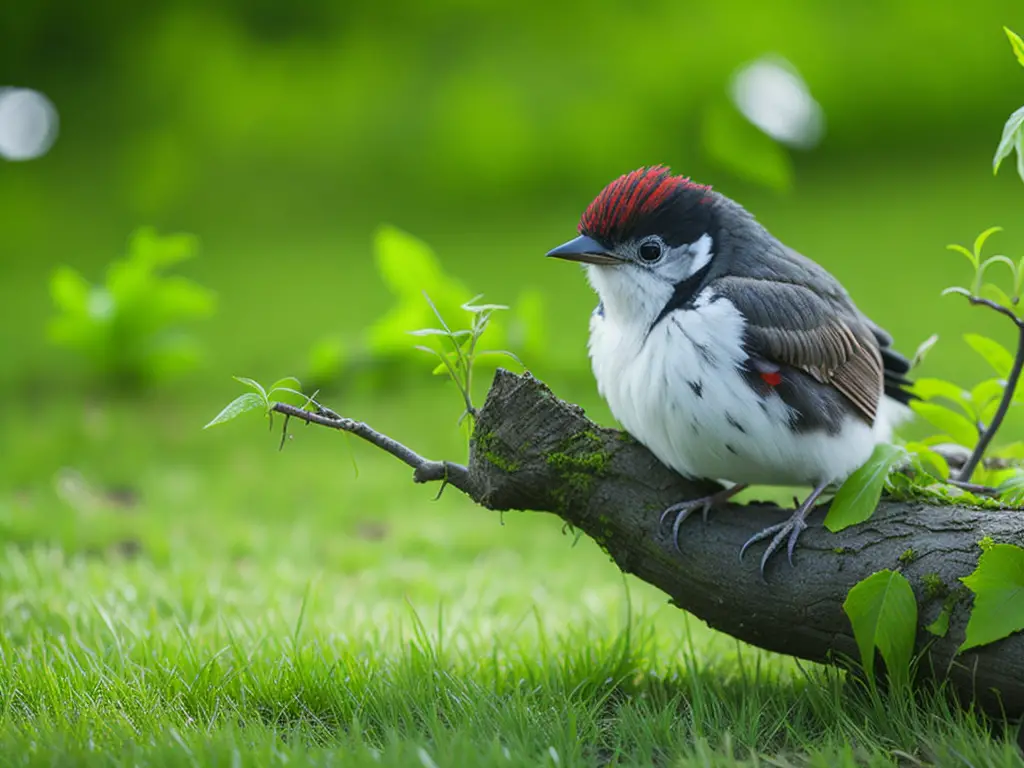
[584, 249]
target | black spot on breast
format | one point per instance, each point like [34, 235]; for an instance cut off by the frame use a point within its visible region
[707, 355]
[697, 387]
[734, 423]
[732, 450]
[695, 427]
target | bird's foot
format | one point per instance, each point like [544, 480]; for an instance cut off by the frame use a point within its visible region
[684, 509]
[791, 528]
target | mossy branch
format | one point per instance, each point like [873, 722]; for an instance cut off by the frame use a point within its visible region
[532, 451]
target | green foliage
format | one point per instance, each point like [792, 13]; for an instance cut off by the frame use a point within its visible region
[858, 496]
[951, 423]
[1016, 43]
[965, 416]
[995, 354]
[410, 269]
[883, 613]
[1012, 488]
[940, 627]
[465, 351]
[981, 266]
[998, 586]
[1013, 132]
[260, 397]
[130, 328]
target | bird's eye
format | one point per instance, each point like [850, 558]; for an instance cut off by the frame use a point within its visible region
[650, 251]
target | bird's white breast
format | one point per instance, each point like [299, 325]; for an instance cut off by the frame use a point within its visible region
[651, 380]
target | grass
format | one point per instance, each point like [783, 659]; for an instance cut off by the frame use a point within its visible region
[178, 597]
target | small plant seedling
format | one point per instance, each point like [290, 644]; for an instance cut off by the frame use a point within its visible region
[260, 397]
[130, 328]
[465, 351]
[881, 608]
[409, 268]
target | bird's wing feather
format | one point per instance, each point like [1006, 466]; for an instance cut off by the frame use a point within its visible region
[824, 336]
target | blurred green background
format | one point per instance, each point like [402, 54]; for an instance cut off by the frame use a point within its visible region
[283, 135]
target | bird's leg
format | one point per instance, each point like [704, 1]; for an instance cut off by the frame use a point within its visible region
[792, 527]
[684, 509]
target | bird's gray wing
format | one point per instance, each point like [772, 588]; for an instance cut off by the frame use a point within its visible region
[825, 336]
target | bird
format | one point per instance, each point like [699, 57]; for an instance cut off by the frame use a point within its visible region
[729, 355]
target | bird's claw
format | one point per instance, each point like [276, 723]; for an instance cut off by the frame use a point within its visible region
[792, 528]
[683, 510]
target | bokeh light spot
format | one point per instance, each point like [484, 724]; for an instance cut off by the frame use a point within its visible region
[772, 95]
[28, 124]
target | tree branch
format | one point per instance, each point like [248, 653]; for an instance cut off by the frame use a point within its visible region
[1011, 386]
[533, 451]
[424, 470]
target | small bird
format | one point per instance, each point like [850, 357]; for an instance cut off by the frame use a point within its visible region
[729, 355]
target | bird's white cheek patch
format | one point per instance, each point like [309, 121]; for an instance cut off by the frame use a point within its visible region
[701, 254]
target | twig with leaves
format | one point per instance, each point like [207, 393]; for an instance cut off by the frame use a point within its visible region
[998, 301]
[462, 359]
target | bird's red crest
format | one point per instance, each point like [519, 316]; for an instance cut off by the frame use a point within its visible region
[620, 204]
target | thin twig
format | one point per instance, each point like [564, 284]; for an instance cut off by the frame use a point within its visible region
[1011, 386]
[425, 470]
[979, 301]
[975, 488]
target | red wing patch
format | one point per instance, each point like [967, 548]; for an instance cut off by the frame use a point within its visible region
[772, 378]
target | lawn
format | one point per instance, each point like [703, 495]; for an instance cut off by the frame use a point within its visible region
[179, 596]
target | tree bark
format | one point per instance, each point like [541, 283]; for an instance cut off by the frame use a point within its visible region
[532, 451]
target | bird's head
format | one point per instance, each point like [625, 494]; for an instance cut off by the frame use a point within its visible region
[646, 238]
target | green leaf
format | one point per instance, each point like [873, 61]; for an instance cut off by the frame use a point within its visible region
[858, 496]
[929, 389]
[252, 384]
[994, 353]
[469, 306]
[993, 292]
[922, 350]
[69, 290]
[176, 298]
[250, 401]
[940, 626]
[960, 249]
[1012, 131]
[1011, 489]
[1016, 43]
[985, 393]
[957, 290]
[1019, 146]
[928, 460]
[883, 613]
[998, 587]
[1014, 450]
[287, 382]
[407, 264]
[957, 426]
[151, 250]
[439, 332]
[979, 241]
